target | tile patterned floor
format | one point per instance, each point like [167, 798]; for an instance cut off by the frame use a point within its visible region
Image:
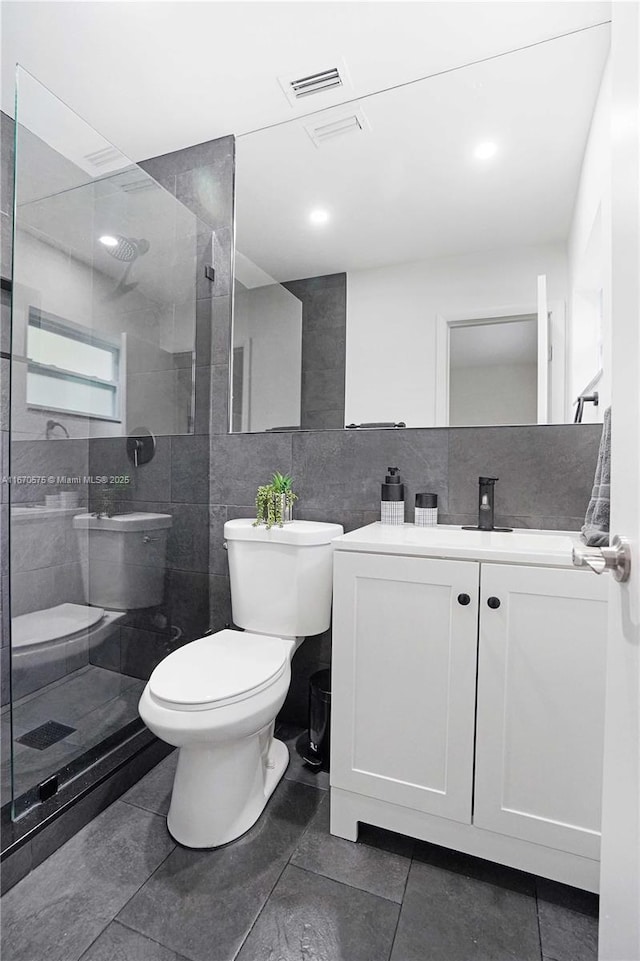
[93, 701]
[121, 890]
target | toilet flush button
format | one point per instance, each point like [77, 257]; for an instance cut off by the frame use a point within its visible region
[271, 764]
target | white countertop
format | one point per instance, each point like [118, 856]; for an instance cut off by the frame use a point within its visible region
[551, 548]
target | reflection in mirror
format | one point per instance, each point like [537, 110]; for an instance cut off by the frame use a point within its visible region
[493, 368]
[444, 207]
[267, 339]
[104, 270]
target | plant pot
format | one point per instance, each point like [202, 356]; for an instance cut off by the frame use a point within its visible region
[287, 509]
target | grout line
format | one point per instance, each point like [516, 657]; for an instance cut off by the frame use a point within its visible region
[178, 954]
[284, 868]
[538, 918]
[139, 807]
[147, 879]
[265, 903]
[122, 906]
[347, 884]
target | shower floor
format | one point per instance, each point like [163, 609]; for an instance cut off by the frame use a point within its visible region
[92, 701]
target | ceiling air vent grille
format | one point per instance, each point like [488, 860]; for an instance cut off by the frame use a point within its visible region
[338, 126]
[331, 83]
[103, 157]
[316, 83]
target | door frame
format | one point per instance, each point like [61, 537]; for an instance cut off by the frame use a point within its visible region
[469, 318]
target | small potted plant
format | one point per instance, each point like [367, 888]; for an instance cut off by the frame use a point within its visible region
[274, 501]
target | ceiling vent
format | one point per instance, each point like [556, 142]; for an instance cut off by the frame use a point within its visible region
[330, 82]
[104, 157]
[334, 125]
[141, 183]
[316, 83]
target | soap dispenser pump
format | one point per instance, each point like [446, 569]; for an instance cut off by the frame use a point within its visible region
[392, 498]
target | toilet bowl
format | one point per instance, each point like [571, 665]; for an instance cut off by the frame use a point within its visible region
[216, 698]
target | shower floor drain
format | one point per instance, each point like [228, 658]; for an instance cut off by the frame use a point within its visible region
[44, 736]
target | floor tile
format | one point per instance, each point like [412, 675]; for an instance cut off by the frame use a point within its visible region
[153, 791]
[71, 698]
[446, 916]
[93, 701]
[58, 910]
[568, 922]
[477, 868]
[117, 943]
[360, 865]
[201, 899]
[311, 917]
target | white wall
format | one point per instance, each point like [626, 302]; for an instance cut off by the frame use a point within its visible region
[391, 322]
[493, 394]
[589, 248]
[268, 324]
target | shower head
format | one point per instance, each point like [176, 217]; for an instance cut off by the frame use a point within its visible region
[125, 249]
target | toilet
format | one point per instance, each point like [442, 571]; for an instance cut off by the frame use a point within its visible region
[217, 698]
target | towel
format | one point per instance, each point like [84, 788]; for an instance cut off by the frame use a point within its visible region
[595, 530]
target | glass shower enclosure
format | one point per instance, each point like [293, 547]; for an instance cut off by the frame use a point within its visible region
[102, 346]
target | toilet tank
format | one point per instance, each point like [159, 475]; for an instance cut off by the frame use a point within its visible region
[281, 579]
[123, 558]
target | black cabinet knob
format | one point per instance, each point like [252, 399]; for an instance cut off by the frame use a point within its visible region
[464, 599]
[494, 603]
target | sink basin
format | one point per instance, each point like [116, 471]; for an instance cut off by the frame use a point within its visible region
[520, 546]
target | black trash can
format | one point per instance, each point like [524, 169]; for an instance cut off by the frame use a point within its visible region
[314, 745]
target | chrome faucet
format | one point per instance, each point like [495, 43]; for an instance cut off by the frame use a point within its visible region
[486, 499]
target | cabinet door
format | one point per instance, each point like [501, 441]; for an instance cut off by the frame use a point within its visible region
[541, 676]
[404, 671]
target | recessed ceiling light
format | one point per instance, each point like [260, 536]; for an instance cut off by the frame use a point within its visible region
[485, 150]
[108, 240]
[319, 216]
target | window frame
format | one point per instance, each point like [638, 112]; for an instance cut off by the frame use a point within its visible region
[65, 328]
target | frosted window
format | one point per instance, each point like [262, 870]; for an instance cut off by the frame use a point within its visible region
[71, 370]
[58, 350]
[74, 396]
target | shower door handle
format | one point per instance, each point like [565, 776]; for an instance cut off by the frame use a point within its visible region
[616, 558]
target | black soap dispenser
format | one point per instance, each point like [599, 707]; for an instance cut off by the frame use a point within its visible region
[392, 498]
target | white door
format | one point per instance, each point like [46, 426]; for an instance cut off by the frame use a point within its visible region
[404, 675]
[619, 936]
[540, 721]
[543, 351]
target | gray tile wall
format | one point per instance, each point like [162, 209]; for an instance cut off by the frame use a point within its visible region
[324, 325]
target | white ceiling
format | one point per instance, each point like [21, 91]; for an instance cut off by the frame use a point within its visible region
[408, 187]
[156, 76]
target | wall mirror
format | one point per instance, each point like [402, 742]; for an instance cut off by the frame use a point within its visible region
[435, 254]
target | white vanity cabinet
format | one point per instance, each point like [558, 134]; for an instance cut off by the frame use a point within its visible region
[403, 680]
[468, 695]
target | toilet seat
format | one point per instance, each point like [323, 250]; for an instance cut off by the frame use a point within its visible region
[218, 670]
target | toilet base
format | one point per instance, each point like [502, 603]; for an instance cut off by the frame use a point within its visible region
[220, 792]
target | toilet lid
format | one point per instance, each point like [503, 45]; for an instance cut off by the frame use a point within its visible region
[219, 667]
